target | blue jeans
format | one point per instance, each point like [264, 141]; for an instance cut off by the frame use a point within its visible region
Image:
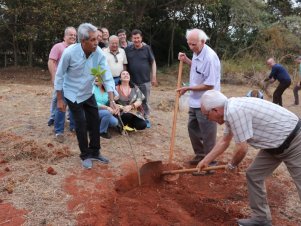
[106, 120]
[53, 105]
[59, 119]
[116, 80]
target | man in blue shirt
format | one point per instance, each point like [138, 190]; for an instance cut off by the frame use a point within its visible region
[74, 77]
[278, 73]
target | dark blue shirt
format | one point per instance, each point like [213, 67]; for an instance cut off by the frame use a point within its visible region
[280, 73]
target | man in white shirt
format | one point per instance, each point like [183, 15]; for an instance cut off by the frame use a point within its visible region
[204, 75]
[116, 58]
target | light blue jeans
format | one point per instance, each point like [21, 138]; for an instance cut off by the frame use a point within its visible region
[59, 119]
[106, 120]
[53, 106]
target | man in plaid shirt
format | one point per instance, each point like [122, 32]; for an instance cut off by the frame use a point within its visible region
[265, 126]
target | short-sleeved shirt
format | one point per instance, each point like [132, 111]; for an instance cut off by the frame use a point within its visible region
[116, 64]
[57, 51]
[205, 69]
[139, 63]
[260, 123]
[74, 73]
[280, 73]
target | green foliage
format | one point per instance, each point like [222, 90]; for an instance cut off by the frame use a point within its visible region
[98, 73]
[236, 27]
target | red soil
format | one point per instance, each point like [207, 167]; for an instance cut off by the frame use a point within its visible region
[214, 199]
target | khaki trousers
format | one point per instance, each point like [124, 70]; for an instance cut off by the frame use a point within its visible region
[263, 166]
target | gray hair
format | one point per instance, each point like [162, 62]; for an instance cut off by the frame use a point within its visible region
[112, 37]
[67, 30]
[201, 34]
[213, 99]
[84, 30]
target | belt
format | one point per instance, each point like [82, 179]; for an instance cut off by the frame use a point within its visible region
[287, 142]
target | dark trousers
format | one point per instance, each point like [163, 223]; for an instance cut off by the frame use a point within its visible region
[202, 132]
[277, 95]
[133, 121]
[86, 119]
[296, 89]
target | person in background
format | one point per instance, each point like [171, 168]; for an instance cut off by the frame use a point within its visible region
[279, 73]
[58, 117]
[130, 98]
[142, 68]
[75, 78]
[255, 93]
[123, 42]
[265, 126]
[116, 58]
[106, 113]
[298, 85]
[205, 69]
[105, 36]
[99, 38]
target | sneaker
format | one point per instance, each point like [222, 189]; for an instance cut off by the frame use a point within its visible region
[196, 160]
[50, 122]
[101, 159]
[59, 138]
[148, 124]
[254, 222]
[106, 135]
[87, 163]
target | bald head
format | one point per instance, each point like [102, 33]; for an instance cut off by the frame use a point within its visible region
[271, 62]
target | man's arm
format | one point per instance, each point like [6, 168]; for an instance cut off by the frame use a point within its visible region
[219, 148]
[240, 152]
[201, 87]
[52, 69]
[184, 58]
[154, 73]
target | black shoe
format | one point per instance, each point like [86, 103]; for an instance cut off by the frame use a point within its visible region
[50, 122]
[196, 160]
[105, 135]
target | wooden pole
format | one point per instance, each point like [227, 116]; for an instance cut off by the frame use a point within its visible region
[173, 132]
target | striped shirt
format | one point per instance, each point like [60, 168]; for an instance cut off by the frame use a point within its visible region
[260, 123]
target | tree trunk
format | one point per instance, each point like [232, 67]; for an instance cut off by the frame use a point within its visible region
[30, 50]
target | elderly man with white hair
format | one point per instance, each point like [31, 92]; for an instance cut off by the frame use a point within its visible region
[265, 126]
[205, 72]
[116, 58]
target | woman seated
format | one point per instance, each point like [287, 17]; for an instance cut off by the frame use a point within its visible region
[105, 112]
[130, 100]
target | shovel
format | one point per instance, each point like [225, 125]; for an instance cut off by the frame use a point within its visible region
[153, 172]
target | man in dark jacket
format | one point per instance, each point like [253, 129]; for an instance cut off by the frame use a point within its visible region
[278, 73]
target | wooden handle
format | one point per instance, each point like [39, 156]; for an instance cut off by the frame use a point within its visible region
[193, 170]
[173, 132]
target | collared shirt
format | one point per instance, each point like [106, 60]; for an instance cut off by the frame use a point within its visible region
[116, 61]
[205, 69]
[259, 122]
[74, 73]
